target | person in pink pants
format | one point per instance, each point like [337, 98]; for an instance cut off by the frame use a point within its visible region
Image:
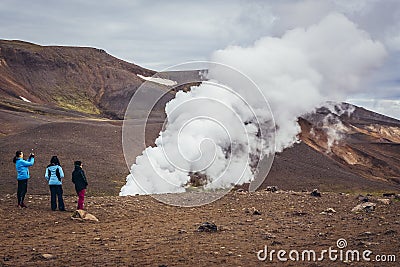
[80, 181]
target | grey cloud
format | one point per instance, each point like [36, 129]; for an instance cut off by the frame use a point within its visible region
[200, 27]
[157, 34]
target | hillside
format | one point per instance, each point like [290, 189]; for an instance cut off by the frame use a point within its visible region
[364, 142]
[83, 79]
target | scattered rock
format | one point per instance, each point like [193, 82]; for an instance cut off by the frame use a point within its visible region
[385, 201]
[299, 213]
[329, 211]
[324, 235]
[268, 236]
[256, 212]
[181, 231]
[389, 194]
[367, 207]
[367, 234]
[207, 227]
[272, 188]
[274, 243]
[47, 256]
[83, 215]
[315, 193]
[253, 211]
[241, 191]
[362, 198]
[390, 232]
[366, 243]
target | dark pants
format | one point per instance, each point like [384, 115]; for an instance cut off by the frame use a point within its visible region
[56, 191]
[22, 188]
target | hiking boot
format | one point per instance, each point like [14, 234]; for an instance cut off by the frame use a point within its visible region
[23, 205]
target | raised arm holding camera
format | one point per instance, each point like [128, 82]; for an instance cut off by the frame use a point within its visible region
[22, 167]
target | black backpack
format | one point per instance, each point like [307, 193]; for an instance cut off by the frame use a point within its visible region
[57, 174]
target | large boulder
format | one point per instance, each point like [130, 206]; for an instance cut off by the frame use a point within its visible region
[83, 215]
[207, 227]
[366, 206]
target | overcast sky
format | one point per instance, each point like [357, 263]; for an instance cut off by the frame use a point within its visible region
[158, 34]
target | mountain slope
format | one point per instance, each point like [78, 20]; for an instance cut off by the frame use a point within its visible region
[77, 78]
[363, 142]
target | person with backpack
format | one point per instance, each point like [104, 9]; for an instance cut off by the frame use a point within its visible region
[22, 167]
[79, 179]
[54, 175]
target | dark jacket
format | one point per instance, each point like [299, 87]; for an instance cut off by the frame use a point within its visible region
[79, 179]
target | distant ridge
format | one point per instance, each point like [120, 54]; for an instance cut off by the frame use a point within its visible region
[83, 79]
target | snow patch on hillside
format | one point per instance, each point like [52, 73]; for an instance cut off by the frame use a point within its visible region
[24, 99]
[158, 80]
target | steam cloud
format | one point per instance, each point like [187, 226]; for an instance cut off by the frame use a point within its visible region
[296, 73]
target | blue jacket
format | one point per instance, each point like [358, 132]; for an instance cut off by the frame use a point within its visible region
[21, 166]
[51, 174]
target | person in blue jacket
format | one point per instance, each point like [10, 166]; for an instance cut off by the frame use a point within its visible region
[54, 175]
[22, 167]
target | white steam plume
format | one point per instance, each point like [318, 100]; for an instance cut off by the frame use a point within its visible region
[296, 73]
[306, 67]
[332, 125]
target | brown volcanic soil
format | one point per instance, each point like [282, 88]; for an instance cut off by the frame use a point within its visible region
[303, 168]
[96, 142]
[139, 231]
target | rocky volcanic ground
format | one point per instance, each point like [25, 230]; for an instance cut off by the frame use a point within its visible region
[139, 231]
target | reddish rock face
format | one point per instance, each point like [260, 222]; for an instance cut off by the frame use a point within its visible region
[367, 143]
